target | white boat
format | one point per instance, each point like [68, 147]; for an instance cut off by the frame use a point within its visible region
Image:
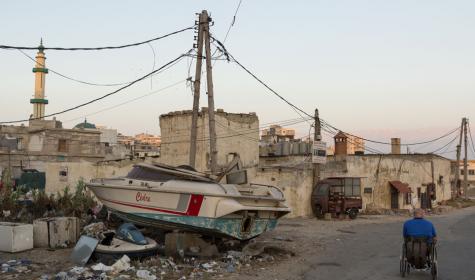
[178, 198]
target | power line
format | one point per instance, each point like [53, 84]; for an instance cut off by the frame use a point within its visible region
[224, 50]
[128, 101]
[471, 139]
[70, 78]
[106, 95]
[386, 143]
[233, 21]
[445, 146]
[99, 48]
[297, 109]
[240, 133]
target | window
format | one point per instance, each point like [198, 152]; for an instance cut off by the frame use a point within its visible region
[19, 143]
[419, 193]
[461, 171]
[471, 172]
[63, 173]
[407, 198]
[352, 186]
[62, 145]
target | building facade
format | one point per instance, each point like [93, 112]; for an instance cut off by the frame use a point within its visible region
[236, 133]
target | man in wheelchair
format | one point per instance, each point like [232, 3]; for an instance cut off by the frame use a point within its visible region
[419, 240]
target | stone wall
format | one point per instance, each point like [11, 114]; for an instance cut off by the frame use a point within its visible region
[236, 133]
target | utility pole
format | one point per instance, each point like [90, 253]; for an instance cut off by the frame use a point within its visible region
[456, 192]
[317, 136]
[465, 165]
[209, 80]
[203, 17]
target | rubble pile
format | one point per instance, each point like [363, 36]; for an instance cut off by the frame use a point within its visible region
[16, 268]
[167, 268]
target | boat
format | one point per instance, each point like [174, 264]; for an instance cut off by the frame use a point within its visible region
[180, 198]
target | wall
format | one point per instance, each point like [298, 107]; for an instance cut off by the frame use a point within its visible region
[294, 176]
[81, 170]
[236, 133]
[378, 170]
[296, 183]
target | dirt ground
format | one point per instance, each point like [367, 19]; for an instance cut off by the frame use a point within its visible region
[305, 237]
[299, 238]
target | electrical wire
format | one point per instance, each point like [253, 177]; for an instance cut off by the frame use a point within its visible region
[297, 109]
[445, 146]
[70, 78]
[243, 132]
[100, 48]
[128, 101]
[106, 95]
[233, 21]
[471, 139]
[386, 143]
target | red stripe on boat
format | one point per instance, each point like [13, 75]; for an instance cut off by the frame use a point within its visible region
[194, 205]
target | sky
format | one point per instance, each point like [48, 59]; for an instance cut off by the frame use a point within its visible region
[378, 69]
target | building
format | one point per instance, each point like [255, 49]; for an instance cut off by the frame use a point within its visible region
[388, 181]
[149, 139]
[236, 133]
[276, 133]
[470, 176]
[346, 144]
[61, 155]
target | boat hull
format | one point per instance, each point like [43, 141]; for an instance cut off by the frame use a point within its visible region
[224, 226]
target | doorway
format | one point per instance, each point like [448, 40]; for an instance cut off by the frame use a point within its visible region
[394, 198]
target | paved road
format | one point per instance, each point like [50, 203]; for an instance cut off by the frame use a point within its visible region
[372, 251]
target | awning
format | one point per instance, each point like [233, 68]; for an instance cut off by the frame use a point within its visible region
[400, 186]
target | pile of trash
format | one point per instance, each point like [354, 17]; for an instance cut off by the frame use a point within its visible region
[160, 267]
[22, 266]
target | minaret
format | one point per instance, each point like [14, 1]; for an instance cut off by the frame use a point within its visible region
[40, 71]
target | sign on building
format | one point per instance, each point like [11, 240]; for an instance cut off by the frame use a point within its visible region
[319, 152]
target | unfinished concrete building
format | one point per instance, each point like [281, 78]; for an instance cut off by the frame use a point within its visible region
[236, 133]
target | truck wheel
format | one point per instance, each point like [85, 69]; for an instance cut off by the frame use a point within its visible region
[353, 213]
[318, 212]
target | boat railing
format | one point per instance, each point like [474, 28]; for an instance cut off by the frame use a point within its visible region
[269, 187]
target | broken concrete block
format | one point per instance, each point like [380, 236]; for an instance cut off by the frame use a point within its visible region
[327, 216]
[57, 232]
[188, 243]
[15, 237]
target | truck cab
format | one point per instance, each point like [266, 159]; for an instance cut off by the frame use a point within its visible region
[337, 195]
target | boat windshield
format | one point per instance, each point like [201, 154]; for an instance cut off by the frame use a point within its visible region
[141, 173]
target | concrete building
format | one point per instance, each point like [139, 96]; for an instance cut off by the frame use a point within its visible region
[470, 176]
[236, 133]
[149, 139]
[276, 133]
[388, 181]
[61, 155]
[346, 144]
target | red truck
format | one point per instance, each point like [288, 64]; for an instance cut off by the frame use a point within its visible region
[337, 195]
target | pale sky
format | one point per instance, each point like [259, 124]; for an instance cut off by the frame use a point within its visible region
[378, 69]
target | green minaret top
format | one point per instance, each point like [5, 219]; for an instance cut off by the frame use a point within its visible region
[41, 47]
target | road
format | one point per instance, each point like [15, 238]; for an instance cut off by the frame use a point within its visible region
[372, 251]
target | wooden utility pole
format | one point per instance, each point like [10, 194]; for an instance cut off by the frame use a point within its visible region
[209, 80]
[317, 136]
[456, 192]
[465, 165]
[203, 17]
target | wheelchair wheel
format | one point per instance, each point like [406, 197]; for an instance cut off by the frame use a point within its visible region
[403, 268]
[403, 265]
[434, 271]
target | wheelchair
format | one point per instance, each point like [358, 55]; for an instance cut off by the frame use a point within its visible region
[418, 254]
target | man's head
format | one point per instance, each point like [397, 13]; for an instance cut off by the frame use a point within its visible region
[418, 213]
